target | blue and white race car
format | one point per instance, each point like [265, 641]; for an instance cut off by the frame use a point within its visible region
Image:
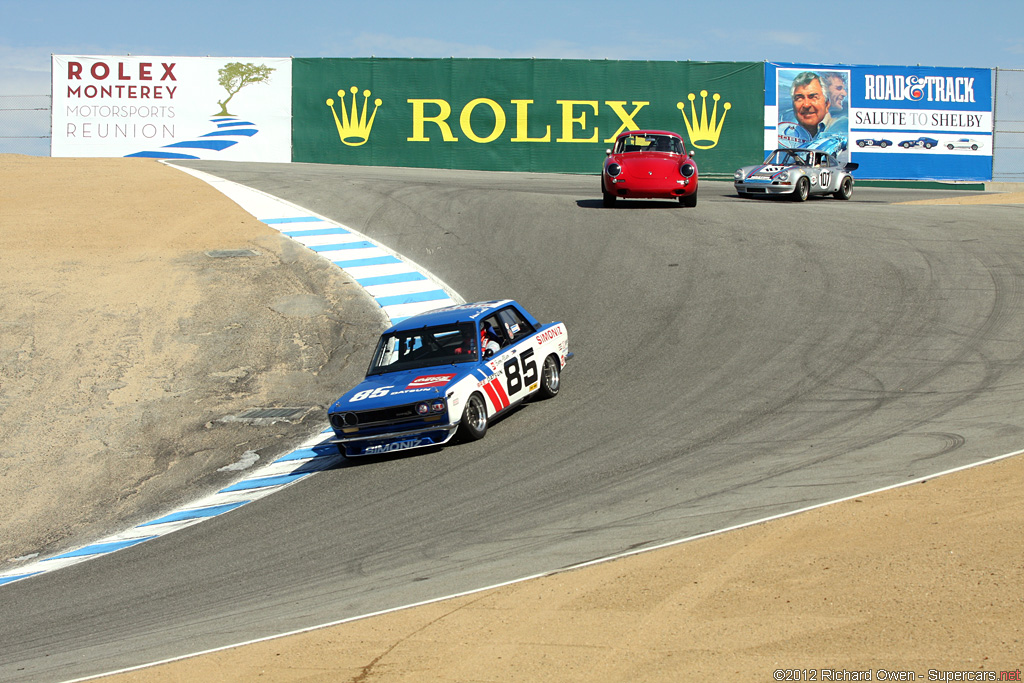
[927, 143]
[873, 142]
[964, 143]
[449, 371]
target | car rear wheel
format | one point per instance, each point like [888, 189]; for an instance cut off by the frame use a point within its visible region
[550, 379]
[474, 419]
[688, 200]
[883, 144]
[803, 189]
[845, 188]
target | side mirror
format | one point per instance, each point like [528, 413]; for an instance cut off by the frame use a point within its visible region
[607, 152]
[488, 353]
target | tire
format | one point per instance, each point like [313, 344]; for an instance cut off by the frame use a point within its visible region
[607, 199]
[550, 379]
[860, 143]
[802, 191]
[474, 419]
[927, 145]
[688, 200]
[883, 145]
[974, 148]
[845, 188]
[949, 146]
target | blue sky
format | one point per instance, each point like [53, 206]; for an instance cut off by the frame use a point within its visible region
[895, 32]
[937, 33]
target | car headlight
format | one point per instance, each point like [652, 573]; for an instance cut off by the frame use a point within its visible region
[738, 175]
[613, 170]
[687, 170]
[783, 176]
[428, 407]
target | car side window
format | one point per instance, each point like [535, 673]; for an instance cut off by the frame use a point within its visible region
[494, 329]
[514, 325]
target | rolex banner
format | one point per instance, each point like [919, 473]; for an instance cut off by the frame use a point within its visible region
[520, 114]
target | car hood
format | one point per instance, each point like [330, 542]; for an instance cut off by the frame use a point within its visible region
[764, 170]
[398, 388]
[650, 164]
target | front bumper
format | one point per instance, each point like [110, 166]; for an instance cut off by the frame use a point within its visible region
[650, 189]
[769, 187]
[390, 442]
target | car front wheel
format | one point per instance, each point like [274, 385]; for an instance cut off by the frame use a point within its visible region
[688, 200]
[803, 189]
[607, 198]
[474, 419]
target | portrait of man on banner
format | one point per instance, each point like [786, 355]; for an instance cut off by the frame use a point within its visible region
[814, 109]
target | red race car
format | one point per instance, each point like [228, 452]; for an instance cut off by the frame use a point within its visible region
[649, 164]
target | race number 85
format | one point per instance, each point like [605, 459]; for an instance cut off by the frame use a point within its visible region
[520, 372]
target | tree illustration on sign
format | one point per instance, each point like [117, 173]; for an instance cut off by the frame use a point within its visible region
[235, 76]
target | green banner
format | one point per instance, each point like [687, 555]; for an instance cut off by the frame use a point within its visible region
[535, 115]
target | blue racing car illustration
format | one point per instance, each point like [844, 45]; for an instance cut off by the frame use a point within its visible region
[871, 142]
[927, 143]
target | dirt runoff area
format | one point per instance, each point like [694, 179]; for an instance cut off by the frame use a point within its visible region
[119, 330]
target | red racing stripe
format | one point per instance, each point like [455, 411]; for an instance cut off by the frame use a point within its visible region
[489, 388]
[500, 391]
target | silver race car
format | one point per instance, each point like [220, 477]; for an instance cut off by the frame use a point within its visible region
[796, 172]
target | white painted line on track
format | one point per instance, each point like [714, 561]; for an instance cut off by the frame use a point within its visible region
[540, 575]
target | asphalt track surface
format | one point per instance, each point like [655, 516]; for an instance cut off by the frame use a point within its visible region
[734, 361]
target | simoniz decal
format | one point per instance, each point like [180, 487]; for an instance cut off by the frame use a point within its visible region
[895, 88]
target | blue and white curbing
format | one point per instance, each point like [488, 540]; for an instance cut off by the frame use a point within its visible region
[401, 289]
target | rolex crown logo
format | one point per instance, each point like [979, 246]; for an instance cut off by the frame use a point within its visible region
[703, 132]
[353, 127]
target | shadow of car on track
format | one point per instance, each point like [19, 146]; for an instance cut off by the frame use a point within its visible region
[626, 204]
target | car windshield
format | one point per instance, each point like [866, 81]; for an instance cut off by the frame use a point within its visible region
[649, 143]
[423, 347]
[788, 157]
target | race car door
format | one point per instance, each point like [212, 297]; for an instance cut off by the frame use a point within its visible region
[515, 363]
[828, 178]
